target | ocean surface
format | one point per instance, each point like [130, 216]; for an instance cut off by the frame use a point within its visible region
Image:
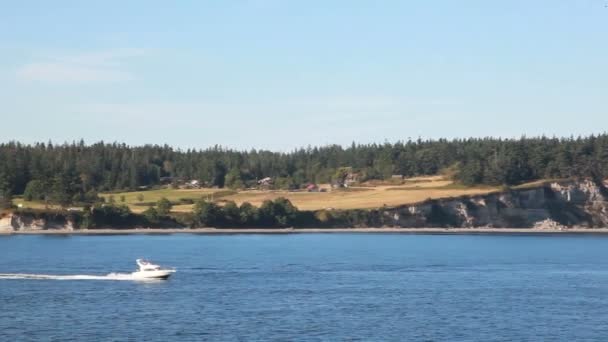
[306, 287]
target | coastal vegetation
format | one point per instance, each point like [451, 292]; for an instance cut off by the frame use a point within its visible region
[362, 196]
[76, 172]
[272, 214]
[553, 204]
[154, 186]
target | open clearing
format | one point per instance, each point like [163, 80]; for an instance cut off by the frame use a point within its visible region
[365, 197]
[372, 198]
[369, 196]
[20, 202]
[152, 196]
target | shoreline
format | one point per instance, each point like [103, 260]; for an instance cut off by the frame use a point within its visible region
[234, 231]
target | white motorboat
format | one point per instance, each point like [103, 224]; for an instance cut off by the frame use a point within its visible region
[148, 270]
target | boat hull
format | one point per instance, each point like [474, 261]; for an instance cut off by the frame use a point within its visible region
[157, 274]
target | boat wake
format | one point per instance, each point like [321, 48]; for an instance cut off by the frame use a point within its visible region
[147, 272]
[111, 276]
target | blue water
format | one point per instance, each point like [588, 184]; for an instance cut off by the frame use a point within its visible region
[309, 287]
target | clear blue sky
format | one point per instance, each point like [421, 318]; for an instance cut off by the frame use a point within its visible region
[283, 74]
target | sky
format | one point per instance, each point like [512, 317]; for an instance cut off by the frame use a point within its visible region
[278, 75]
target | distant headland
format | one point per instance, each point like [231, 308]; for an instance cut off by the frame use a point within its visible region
[532, 183]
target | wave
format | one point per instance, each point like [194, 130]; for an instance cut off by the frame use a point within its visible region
[110, 276]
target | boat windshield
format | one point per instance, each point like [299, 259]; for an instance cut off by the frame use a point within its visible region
[149, 267]
[145, 265]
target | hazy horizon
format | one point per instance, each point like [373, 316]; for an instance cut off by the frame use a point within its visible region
[278, 75]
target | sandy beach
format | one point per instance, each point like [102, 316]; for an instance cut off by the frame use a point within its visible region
[310, 230]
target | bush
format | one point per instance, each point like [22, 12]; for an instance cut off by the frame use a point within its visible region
[151, 215]
[231, 214]
[112, 216]
[248, 215]
[278, 213]
[163, 207]
[206, 214]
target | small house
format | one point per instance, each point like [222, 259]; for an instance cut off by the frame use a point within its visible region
[351, 178]
[166, 180]
[265, 181]
[193, 184]
[312, 187]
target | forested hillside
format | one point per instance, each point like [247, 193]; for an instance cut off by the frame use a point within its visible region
[76, 171]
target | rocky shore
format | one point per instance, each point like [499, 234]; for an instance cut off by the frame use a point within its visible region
[215, 231]
[552, 206]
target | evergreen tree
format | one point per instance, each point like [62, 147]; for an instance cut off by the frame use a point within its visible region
[234, 180]
[34, 191]
[67, 172]
[6, 199]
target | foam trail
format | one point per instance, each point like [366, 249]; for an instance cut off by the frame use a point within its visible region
[111, 276]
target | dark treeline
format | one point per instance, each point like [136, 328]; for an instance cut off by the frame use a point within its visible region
[71, 172]
[278, 213]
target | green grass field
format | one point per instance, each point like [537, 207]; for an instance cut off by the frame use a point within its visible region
[152, 196]
[21, 203]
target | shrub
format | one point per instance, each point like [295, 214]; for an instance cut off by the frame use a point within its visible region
[163, 207]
